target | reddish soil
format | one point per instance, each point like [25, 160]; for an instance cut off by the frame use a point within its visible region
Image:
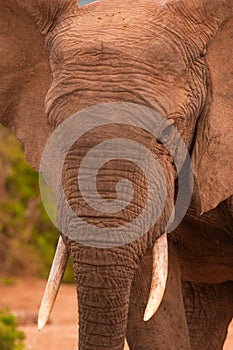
[61, 333]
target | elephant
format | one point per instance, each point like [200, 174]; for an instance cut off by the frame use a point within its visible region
[169, 56]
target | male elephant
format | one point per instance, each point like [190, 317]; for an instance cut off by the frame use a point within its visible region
[169, 56]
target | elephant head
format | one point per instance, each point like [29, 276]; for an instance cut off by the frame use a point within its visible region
[170, 56]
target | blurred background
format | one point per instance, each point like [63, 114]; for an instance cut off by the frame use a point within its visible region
[28, 238]
[27, 245]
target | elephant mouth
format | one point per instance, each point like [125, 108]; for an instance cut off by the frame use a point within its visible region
[157, 290]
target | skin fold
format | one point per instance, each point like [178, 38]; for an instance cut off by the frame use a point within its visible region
[174, 57]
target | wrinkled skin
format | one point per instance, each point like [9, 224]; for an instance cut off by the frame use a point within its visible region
[172, 56]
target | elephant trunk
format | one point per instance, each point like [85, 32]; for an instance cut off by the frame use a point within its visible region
[113, 213]
[103, 297]
[103, 286]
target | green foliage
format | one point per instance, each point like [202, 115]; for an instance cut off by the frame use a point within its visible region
[27, 236]
[7, 281]
[10, 337]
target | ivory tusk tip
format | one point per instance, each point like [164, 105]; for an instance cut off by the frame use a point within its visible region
[53, 284]
[147, 316]
[159, 277]
[41, 322]
[40, 326]
[149, 313]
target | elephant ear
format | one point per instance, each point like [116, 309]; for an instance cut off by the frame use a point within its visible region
[212, 154]
[25, 77]
[25, 73]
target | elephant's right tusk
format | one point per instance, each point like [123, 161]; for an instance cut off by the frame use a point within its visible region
[54, 281]
[159, 276]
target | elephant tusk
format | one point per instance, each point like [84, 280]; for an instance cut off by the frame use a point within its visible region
[55, 277]
[159, 276]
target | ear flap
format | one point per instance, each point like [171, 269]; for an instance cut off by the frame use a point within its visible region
[24, 69]
[25, 77]
[212, 155]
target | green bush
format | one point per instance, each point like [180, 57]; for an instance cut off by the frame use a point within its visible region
[27, 236]
[10, 337]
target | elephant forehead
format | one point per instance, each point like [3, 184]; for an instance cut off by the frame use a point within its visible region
[146, 56]
[115, 56]
[91, 37]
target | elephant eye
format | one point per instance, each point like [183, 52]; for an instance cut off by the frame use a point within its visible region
[85, 2]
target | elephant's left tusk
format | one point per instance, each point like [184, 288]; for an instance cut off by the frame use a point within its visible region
[159, 276]
[55, 277]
